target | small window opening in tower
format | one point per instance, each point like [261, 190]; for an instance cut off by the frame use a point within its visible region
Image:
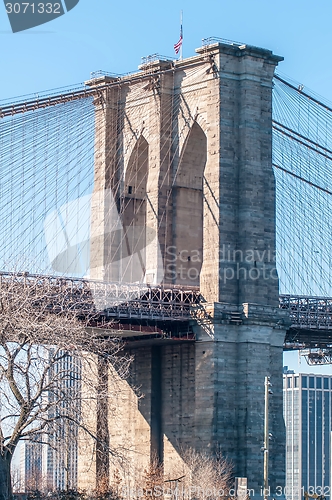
[130, 189]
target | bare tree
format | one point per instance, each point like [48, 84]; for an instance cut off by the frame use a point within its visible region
[44, 339]
[193, 474]
[153, 479]
[203, 476]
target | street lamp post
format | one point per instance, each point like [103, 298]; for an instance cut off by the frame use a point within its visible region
[267, 385]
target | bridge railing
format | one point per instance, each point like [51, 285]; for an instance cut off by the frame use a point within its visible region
[112, 299]
[154, 58]
[311, 313]
[163, 302]
[215, 39]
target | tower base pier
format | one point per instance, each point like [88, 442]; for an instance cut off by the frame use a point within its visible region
[205, 394]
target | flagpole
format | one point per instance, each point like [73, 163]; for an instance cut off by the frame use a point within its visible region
[181, 22]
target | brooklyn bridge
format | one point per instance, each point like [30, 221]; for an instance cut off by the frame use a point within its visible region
[187, 206]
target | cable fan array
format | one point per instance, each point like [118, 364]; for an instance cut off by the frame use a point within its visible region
[302, 161]
[47, 177]
[47, 162]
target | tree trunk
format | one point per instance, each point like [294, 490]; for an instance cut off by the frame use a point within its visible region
[102, 446]
[5, 478]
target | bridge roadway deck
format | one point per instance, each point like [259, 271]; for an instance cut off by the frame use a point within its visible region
[137, 310]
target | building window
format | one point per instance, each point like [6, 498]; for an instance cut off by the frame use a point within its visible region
[326, 383]
[318, 383]
[312, 382]
[305, 382]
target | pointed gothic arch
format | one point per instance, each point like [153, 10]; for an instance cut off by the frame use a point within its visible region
[188, 208]
[134, 213]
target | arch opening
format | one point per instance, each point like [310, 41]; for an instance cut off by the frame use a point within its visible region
[134, 214]
[188, 209]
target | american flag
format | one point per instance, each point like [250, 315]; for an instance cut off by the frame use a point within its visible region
[177, 46]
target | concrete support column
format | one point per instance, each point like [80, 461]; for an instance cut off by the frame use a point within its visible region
[232, 362]
[239, 193]
[159, 196]
[256, 202]
[105, 233]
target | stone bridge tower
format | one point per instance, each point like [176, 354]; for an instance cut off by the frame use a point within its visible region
[183, 152]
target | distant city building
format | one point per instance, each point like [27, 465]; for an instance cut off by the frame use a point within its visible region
[32, 474]
[49, 467]
[61, 455]
[287, 371]
[62, 459]
[307, 415]
[49, 462]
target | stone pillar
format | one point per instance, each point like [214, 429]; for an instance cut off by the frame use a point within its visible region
[105, 236]
[239, 192]
[229, 403]
[159, 179]
[137, 110]
[238, 276]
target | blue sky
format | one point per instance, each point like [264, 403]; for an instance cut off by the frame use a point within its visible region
[113, 36]
[102, 34]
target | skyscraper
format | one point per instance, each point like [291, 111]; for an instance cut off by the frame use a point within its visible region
[49, 459]
[307, 415]
[32, 472]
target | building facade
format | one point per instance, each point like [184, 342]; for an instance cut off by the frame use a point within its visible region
[32, 475]
[50, 463]
[307, 415]
[49, 460]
